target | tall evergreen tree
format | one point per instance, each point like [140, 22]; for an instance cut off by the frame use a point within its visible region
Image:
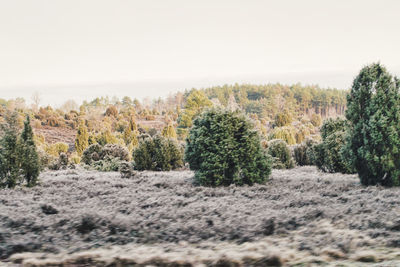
[29, 158]
[9, 159]
[374, 136]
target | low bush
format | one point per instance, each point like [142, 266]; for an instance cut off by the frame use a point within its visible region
[114, 151]
[105, 158]
[61, 163]
[108, 164]
[158, 154]
[280, 152]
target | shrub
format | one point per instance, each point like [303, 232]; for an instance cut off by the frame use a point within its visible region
[61, 163]
[126, 170]
[224, 148]
[114, 151]
[286, 133]
[158, 154]
[112, 111]
[57, 148]
[374, 131]
[316, 120]
[92, 153]
[301, 134]
[107, 158]
[328, 154]
[108, 164]
[283, 119]
[333, 125]
[304, 153]
[280, 153]
[169, 131]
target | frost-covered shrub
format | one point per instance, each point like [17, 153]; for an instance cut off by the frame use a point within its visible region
[280, 152]
[91, 154]
[224, 148]
[107, 158]
[45, 160]
[108, 164]
[114, 151]
[304, 153]
[126, 170]
[61, 163]
[158, 154]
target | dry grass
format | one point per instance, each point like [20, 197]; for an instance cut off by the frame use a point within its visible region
[300, 216]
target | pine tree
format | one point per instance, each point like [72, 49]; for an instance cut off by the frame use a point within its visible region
[29, 158]
[374, 135]
[82, 138]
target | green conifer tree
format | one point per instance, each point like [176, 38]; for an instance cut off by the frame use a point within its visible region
[374, 135]
[9, 158]
[29, 158]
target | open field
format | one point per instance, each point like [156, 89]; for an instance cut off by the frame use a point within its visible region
[300, 217]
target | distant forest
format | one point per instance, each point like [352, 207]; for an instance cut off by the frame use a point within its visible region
[288, 112]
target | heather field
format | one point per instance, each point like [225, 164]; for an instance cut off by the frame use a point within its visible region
[300, 217]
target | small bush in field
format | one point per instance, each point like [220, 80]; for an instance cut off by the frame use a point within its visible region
[92, 153]
[114, 151]
[280, 152]
[107, 158]
[224, 148]
[108, 164]
[126, 170]
[304, 153]
[158, 154]
[61, 163]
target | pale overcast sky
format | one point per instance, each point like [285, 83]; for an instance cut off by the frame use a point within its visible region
[76, 49]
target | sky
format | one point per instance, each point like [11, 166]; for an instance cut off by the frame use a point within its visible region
[81, 49]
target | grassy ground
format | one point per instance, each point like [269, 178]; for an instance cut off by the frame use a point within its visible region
[300, 217]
